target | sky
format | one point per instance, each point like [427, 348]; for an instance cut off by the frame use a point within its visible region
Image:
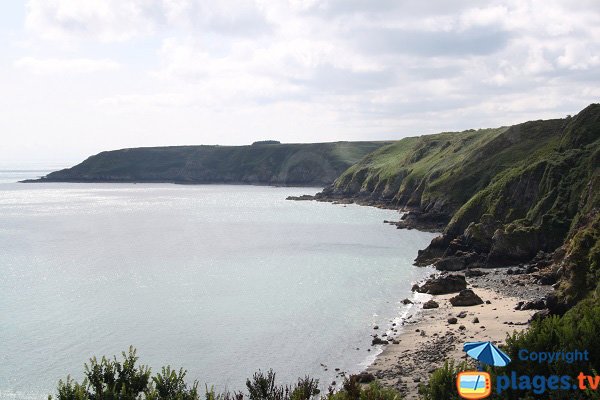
[81, 76]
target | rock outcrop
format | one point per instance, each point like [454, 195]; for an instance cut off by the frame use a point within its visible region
[466, 298]
[443, 284]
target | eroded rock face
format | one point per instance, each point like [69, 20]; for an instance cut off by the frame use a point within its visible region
[443, 284]
[511, 247]
[478, 236]
[459, 261]
[450, 264]
[432, 252]
[428, 221]
[466, 298]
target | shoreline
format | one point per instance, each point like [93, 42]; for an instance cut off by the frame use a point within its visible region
[425, 338]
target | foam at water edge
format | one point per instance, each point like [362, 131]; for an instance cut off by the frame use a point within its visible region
[405, 311]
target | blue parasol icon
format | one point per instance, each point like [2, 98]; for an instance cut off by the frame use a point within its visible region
[486, 353]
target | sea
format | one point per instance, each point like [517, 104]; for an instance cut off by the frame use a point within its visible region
[221, 280]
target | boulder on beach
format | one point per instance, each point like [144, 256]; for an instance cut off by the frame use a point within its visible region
[430, 304]
[444, 284]
[466, 298]
[538, 304]
[377, 340]
[365, 377]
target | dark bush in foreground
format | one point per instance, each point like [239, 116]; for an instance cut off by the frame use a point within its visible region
[124, 380]
[110, 379]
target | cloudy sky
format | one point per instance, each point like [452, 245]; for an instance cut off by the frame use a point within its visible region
[81, 76]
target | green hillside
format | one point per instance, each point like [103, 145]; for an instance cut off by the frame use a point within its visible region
[439, 173]
[267, 162]
[501, 195]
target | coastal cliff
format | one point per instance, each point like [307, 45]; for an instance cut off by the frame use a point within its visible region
[527, 195]
[267, 163]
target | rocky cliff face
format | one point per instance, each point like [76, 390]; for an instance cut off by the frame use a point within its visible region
[269, 163]
[502, 196]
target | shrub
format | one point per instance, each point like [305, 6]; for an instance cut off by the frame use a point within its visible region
[353, 390]
[263, 387]
[171, 385]
[306, 388]
[442, 383]
[124, 380]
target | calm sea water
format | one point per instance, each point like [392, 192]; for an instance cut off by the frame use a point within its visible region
[220, 280]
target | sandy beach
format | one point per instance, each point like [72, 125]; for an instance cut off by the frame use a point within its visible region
[426, 338]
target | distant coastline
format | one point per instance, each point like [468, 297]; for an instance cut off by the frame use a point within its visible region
[262, 163]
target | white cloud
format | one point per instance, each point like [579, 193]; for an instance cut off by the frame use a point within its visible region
[493, 15]
[64, 66]
[338, 69]
[105, 20]
[579, 56]
[122, 20]
[152, 100]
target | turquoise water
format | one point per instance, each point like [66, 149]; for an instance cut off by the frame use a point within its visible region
[220, 280]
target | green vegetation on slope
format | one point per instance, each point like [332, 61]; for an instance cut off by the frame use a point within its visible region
[545, 188]
[265, 162]
[502, 195]
[439, 173]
